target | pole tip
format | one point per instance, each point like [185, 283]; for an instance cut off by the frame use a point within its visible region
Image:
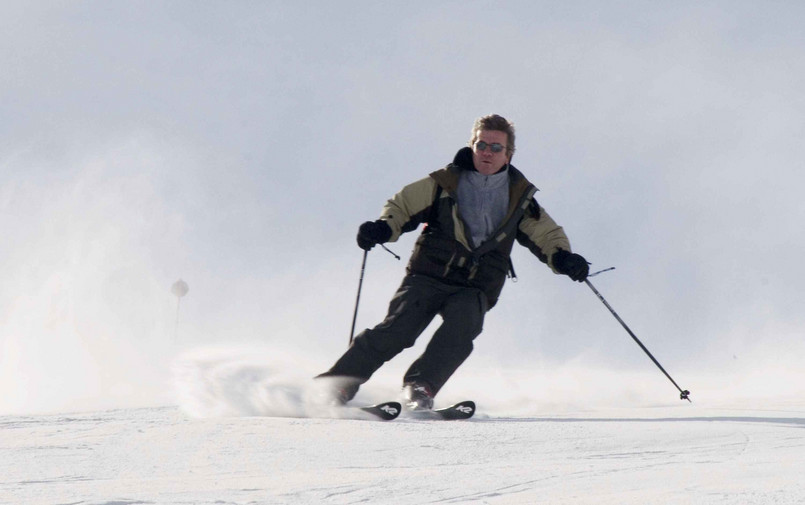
[685, 396]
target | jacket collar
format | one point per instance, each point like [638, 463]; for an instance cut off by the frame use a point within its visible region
[448, 177]
[463, 160]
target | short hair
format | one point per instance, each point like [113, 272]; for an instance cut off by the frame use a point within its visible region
[496, 123]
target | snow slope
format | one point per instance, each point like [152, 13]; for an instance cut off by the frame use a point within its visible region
[225, 444]
[159, 455]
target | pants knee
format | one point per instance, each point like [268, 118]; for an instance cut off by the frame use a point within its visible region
[384, 345]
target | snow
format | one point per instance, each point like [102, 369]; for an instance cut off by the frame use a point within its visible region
[232, 437]
[159, 455]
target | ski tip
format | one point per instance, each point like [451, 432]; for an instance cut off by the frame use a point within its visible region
[385, 411]
[461, 410]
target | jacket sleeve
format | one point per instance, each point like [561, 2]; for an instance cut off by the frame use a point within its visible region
[541, 235]
[406, 210]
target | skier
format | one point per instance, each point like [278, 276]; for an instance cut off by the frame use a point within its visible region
[473, 210]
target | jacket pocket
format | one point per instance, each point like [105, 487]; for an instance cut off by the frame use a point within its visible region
[491, 275]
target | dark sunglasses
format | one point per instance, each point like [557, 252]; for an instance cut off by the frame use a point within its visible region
[496, 148]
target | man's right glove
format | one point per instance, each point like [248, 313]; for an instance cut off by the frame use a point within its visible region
[373, 232]
[571, 264]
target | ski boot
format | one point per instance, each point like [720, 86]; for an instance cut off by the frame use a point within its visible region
[335, 391]
[418, 396]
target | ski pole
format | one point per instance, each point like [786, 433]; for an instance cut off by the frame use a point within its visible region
[683, 394]
[360, 285]
[358, 298]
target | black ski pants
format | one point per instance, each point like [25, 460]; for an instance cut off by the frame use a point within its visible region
[418, 300]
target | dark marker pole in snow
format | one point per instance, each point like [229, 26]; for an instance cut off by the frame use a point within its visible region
[179, 289]
[684, 394]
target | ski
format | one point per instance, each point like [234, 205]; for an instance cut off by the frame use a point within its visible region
[456, 412]
[383, 411]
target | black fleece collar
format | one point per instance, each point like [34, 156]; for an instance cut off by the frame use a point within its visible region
[463, 160]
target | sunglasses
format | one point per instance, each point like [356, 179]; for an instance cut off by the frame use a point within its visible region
[496, 148]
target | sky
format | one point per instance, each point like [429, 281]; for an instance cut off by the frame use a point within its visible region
[238, 146]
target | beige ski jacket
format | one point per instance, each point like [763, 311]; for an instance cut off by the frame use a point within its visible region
[444, 251]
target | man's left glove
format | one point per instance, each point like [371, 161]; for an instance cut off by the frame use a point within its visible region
[373, 232]
[571, 264]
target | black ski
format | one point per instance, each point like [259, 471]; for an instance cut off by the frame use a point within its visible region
[456, 412]
[383, 411]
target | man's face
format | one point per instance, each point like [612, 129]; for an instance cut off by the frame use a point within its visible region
[486, 161]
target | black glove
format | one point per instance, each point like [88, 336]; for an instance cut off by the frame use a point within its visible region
[373, 232]
[571, 264]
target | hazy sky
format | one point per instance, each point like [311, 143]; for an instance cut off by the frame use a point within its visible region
[238, 145]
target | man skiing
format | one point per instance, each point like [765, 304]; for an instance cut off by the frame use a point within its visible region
[473, 210]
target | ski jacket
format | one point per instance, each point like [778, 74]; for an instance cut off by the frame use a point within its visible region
[445, 252]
